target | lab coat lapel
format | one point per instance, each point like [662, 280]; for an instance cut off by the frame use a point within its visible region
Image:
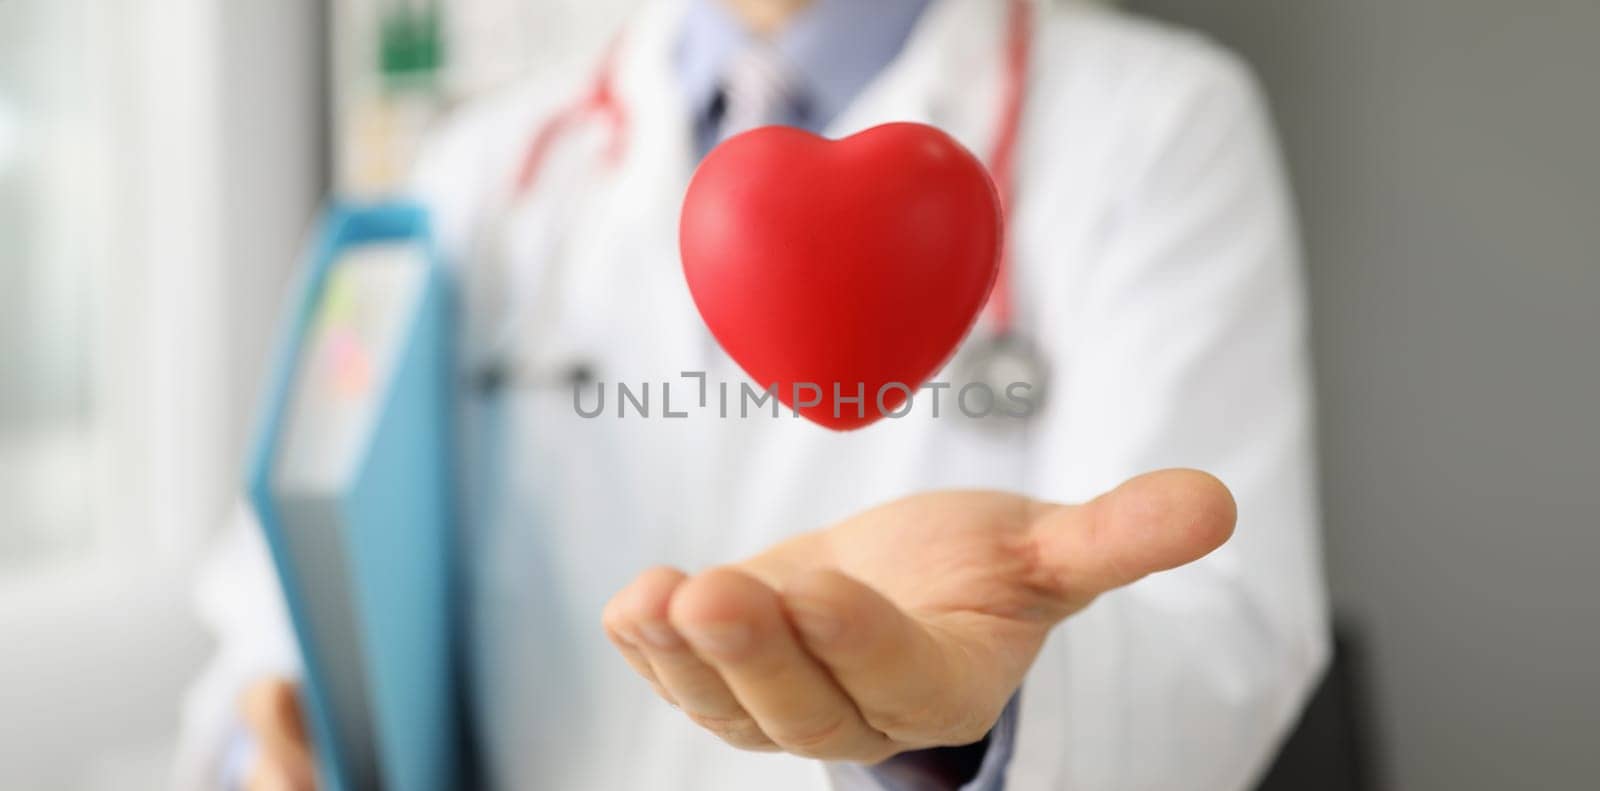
[658, 162]
[680, 458]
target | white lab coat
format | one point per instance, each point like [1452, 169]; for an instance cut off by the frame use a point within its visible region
[1155, 265]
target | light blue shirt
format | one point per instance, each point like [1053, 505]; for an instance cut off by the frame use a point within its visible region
[833, 49]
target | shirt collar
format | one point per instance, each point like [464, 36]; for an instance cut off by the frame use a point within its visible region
[835, 47]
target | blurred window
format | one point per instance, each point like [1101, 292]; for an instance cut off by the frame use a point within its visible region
[54, 187]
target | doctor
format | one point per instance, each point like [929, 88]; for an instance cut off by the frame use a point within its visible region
[914, 610]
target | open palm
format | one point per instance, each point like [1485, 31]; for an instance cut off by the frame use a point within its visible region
[906, 626]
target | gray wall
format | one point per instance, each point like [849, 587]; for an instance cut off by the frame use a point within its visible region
[1446, 157]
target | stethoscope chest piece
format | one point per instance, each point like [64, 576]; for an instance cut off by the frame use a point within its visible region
[1012, 369]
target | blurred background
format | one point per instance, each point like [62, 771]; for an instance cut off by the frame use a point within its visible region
[160, 163]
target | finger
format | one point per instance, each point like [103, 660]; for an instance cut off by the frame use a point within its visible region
[271, 711]
[705, 697]
[905, 682]
[1152, 522]
[639, 607]
[737, 624]
[640, 611]
[640, 664]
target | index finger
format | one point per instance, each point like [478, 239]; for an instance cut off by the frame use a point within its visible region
[736, 624]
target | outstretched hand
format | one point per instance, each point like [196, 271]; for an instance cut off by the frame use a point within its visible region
[906, 626]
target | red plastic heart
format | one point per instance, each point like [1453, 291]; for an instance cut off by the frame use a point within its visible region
[841, 270]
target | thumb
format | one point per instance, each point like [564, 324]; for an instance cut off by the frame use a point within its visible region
[1152, 522]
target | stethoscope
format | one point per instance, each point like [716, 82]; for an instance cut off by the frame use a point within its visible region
[999, 359]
